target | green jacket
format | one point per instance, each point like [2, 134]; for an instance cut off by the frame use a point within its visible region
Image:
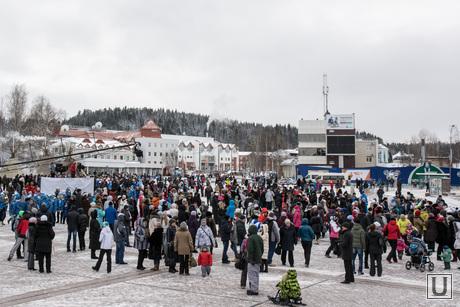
[359, 236]
[255, 246]
[446, 255]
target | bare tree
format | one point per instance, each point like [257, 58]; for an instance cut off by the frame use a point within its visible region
[17, 104]
[44, 118]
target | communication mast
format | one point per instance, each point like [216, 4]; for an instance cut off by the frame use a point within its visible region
[325, 96]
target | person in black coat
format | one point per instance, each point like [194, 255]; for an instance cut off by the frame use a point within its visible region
[94, 232]
[31, 243]
[82, 226]
[442, 237]
[315, 223]
[225, 230]
[288, 240]
[347, 252]
[374, 246]
[72, 229]
[43, 243]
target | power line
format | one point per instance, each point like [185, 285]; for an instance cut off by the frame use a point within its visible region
[68, 155]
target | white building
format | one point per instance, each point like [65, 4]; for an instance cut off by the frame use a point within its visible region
[366, 153]
[161, 152]
[383, 154]
[312, 142]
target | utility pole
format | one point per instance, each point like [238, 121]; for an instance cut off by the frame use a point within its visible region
[325, 96]
[451, 154]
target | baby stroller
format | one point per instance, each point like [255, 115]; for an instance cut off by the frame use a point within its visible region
[289, 291]
[419, 255]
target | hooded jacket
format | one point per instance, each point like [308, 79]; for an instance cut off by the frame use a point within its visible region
[94, 232]
[374, 243]
[359, 236]
[391, 230]
[141, 241]
[297, 219]
[120, 233]
[306, 233]
[231, 209]
[183, 244]
[255, 246]
[44, 235]
[106, 238]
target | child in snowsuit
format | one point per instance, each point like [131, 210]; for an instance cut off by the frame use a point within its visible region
[400, 247]
[289, 287]
[205, 261]
[446, 256]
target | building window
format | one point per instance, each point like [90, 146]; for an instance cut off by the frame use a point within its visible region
[166, 154]
[161, 145]
[312, 138]
[121, 157]
[155, 154]
[148, 162]
[114, 157]
[154, 162]
[154, 144]
[150, 144]
[161, 154]
[149, 154]
[369, 159]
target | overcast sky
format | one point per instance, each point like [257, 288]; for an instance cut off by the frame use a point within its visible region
[393, 63]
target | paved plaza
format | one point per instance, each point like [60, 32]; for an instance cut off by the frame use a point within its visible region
[73, 283]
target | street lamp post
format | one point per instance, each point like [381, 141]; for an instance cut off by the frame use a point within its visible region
[451, 156]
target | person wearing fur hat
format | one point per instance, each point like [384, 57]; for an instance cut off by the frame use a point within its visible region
[94, 233]
[43, 243]
[205, 237]
[183, 246]
[106, 241]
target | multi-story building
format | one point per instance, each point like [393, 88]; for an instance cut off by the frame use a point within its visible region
[366, 153]
[329, 142]
[161, 152]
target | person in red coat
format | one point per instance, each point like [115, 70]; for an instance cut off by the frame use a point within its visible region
[205, 261]
[391, 231]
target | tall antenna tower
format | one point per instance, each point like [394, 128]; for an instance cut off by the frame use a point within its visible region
[325, 96]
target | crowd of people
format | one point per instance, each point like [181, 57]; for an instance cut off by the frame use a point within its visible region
[173, 218]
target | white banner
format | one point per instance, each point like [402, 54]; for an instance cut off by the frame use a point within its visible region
[354, 174]
[49, 185]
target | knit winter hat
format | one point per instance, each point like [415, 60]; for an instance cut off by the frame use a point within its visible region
[21, 213]
[44, 218]
[33, 220]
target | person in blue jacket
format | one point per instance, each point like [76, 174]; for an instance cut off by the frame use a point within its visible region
[231, 209]
[110, 215]
[307, 236]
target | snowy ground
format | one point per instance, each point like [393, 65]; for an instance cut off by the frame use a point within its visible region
[73, 283]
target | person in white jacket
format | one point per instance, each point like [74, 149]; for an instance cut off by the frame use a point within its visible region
[106, 239]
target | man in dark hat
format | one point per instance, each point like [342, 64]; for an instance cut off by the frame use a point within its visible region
[347, 252]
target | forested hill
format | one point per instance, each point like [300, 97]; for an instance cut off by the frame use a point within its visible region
[247, 136]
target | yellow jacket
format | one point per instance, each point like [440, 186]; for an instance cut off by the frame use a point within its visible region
[403, 224]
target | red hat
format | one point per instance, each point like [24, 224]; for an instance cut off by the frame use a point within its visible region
[440, 219]
[417, 213]
[264, 210]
